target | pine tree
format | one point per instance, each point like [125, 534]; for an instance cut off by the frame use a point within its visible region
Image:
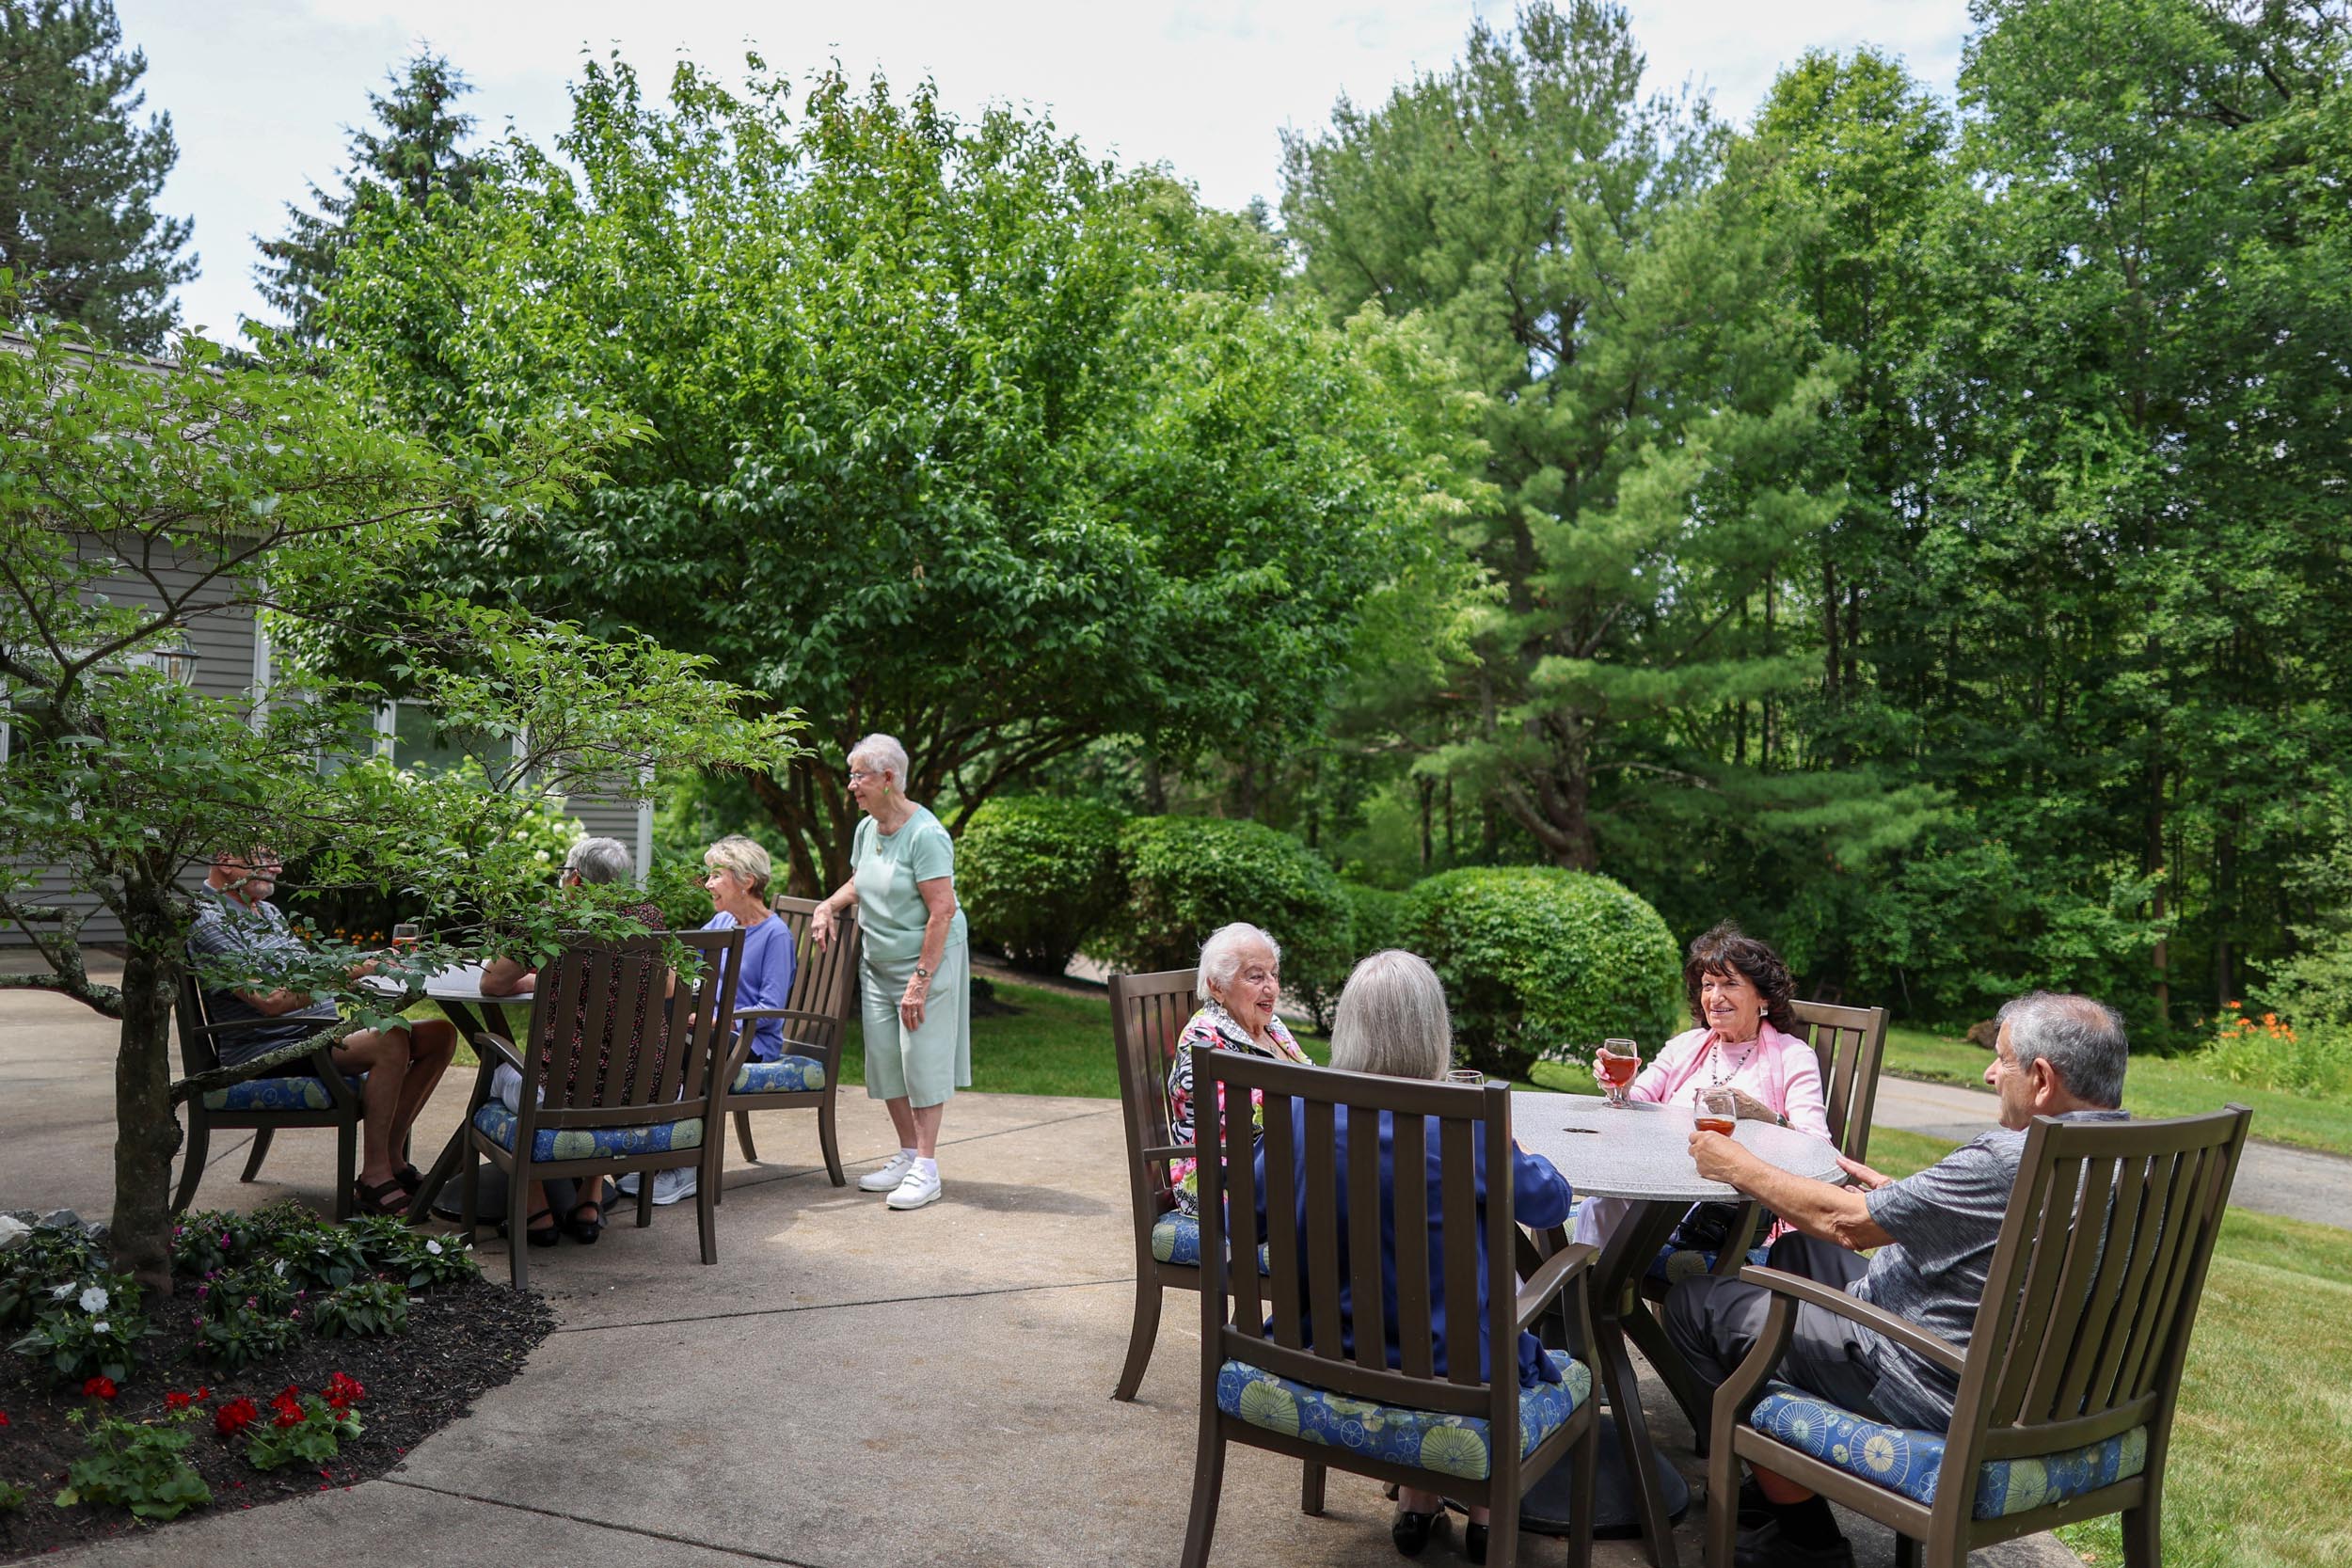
[79, 177]
[412, 160]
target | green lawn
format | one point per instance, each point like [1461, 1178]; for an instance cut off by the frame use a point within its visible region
[2154, 1086]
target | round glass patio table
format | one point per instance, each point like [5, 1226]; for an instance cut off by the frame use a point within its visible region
[1639, 1153]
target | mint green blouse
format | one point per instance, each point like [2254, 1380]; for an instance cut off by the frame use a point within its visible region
[887, 867]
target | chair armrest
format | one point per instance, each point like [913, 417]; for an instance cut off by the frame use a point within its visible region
[1548, 1281]
[1170, 1152]
[757, 1013]
[1830, 1299]
[487, 1044]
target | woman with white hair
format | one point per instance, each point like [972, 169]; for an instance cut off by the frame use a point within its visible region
[1241, 980]
[1392, 1019]
[913, 969]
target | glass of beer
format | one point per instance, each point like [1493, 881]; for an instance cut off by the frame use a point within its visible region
[1718, 1110]
[1619, 1059]
[407, 934]
[1470, 1076]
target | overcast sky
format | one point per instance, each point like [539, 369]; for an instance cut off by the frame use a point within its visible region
[261, 91]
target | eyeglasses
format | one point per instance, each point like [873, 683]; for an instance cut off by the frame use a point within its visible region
[859, 775]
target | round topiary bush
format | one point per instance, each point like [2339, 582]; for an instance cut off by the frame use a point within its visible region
[1186, 876]
[1038, 876]
[1376, 920]
[1544, 963]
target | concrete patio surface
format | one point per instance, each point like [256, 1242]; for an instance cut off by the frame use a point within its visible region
[849, 1388]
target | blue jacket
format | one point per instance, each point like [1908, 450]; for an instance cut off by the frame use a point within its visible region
[766, 981]
[1540, 1196]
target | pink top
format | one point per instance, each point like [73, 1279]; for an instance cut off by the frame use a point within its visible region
[1778, 1069]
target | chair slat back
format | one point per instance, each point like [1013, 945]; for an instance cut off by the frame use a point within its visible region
[1848, 1042]
[824, 980]
[198, 1051]
[1323, 1136]
[2095, 1280]
[656, 1050]
[1147, 1014]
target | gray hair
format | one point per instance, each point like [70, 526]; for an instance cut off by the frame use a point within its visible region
[1220, 955]
[885, 753]
[600, 860]
[2081, 1039]
[747, 858]
[1391, 1018]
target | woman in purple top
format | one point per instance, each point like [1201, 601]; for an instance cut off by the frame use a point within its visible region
[736, 874]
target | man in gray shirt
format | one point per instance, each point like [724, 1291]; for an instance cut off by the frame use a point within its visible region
[1934, 1234]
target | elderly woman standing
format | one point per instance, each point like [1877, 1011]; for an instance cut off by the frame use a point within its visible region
[1241, 980]
[914, 967]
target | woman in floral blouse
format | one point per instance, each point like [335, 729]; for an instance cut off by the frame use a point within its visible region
[1241, 980]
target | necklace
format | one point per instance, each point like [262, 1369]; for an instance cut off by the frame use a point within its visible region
[1716, 1076]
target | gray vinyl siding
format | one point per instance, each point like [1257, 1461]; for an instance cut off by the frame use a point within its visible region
[225, 645]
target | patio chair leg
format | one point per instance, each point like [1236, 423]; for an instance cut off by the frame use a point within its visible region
[1141, 1338]
[1502, 1533]
[1208, 1480]
[1310, 1489]
[1906, 1551]
[469, 1193]
[260, 1153]
[1585, 1465]
[706, 1215]
[829, 1143]
[2142, 1537]
[191, 1163]
[517, 1225]
[346, 1166]
[644, 1198]
[744, 1135]
[1723, 1504]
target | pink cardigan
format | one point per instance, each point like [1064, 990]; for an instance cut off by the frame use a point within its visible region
[1778, 1069]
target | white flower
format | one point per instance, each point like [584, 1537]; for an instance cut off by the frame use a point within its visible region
[99, 1327]
[281, 1268]
[94, 1299]
[433, 1247]
[12, 1231]
[59, 1293]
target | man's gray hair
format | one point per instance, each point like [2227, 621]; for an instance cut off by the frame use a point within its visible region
[886, 755]
[2081, 1039]
[600, 860]
[1391, 1018]
[1220, 955]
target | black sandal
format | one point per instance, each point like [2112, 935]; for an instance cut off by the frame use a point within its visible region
[1411, 1531]
[411, 1180]
[585, 1231]
[542, 1235]
[376, 1199]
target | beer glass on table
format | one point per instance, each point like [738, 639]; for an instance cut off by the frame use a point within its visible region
[406, 935]
[1718, 1110]
[1619, 1059]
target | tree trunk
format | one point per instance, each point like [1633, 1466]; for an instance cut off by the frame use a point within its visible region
[147, 1125]
[2225, 907]
[1428, 788]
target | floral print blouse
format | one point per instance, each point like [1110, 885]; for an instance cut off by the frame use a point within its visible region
[1214, 1027]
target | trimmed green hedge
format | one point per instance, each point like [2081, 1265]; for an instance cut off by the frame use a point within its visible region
[1186, 876]
[1038, 877]
[1376, 920]
[1541, 964]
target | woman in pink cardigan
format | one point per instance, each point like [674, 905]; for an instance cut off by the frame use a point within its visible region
[1741, 995]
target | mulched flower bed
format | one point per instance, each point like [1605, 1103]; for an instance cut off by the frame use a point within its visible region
[464, 1339]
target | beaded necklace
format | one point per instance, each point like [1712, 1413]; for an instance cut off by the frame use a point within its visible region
[1716, 1076]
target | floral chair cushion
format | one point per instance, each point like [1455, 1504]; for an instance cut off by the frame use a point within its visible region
[785, 1075]
[1176, 1239]
[277, 1094]
[1449, 1445]
[582, 1143]
[1906, 1461]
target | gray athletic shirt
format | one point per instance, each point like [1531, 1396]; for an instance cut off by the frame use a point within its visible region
[1945, 1220]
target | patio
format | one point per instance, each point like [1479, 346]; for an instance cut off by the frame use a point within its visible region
[847, 1386]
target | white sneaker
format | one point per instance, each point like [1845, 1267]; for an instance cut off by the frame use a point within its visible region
[887, 1178]
[669, 1186]
[916, 1190]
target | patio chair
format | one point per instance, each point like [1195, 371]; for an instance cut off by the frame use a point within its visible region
[816, 1017]
[267, 1101]
[2069, 1383]
[1291, 1388]
[659, 1113]
[1148, 1013]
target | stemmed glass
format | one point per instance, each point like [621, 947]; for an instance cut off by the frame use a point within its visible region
[1620, 1060]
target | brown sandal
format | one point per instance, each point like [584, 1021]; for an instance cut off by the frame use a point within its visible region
[376, 1199]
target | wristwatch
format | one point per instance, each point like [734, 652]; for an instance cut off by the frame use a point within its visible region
[922, 974]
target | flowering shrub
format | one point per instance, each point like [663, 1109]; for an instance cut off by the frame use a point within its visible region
[2269, 1052]
[233, 1417]
[88, 1328]
[136, 1465]
[306, 1429]
[380, 1306]
[44, 1257]
[321, 1257]
[395, 1248]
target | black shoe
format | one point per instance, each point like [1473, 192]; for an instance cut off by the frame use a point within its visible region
[1755, 1509]
[1474, 1543]
[1768, 1548]
[1411, 1531]
[582, 1228]
[539, 1235]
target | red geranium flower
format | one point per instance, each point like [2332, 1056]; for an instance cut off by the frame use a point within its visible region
[342, 1391]
[175, 1400]
[100, 1387]
[288, 1407]
[234, 1417]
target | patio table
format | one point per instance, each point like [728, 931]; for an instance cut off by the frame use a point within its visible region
[458, 993]
[1639, 1153]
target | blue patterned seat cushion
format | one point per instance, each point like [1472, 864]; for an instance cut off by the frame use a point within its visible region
[1176, 1239]
[584, 1143]
[1672, 1267]
[277, 1094]
[1449, 1445]
[785, 1075]
[1906, 1461]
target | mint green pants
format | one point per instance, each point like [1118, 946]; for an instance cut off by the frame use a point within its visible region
[926, 1065]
